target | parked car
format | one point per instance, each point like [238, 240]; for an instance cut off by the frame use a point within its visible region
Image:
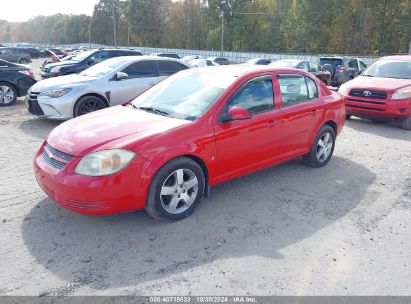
[169, 55]
[15, 80]
[191, 58]
[34, 53]
[260, 61]
[14, 54]
[342, 69]
[382, 92]
[202, 63]
[58, 52]
[307, 66]
[198, 128]
[219, 60]
[111, 82]
[83, 61]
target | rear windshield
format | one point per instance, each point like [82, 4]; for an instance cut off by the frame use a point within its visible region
[334, 62]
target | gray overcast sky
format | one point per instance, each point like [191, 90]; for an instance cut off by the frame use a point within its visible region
[22, 10]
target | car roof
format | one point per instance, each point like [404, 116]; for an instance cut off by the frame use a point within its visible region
[398, 57]
[238, 70]
[125, 59]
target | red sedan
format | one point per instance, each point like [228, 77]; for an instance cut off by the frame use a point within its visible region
[198, 128]
[382, 92]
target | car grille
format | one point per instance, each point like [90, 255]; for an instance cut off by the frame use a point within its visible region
[367, 100]
[84, 205]
[368, 94]
[34, 107]
[49, 154]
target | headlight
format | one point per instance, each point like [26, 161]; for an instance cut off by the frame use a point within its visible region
[56, 93]
[55, 69]
[344, 89]
[104, 162]
[402, 94]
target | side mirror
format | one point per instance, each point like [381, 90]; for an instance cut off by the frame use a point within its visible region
[235, 113]
[121, 76]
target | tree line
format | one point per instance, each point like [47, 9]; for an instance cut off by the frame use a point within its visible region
[294, 26]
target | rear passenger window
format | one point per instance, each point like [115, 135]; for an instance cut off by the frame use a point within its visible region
[167, 68]
[256, 96]
[141, 69]
[296, 89]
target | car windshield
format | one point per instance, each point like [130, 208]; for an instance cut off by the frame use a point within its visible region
[82, 56]
[105, 67]
[285, 63]
[388, 68]
[185, 95]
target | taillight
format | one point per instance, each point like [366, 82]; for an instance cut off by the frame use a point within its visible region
[28, 73]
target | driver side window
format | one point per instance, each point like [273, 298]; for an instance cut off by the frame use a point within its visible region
[256, 96]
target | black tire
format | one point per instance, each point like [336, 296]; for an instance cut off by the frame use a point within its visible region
[347, 116]
[406, 123]
[23, 61]
[311, 159]
[7, 88]
[325, 82]
[88, 104]
[166, 177]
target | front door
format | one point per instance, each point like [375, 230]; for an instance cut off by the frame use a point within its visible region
[244, 145]
[141, 76]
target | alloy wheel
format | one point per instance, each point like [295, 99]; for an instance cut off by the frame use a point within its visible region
[324, 147]
[179, 191]
[90, 105]
[6, 95]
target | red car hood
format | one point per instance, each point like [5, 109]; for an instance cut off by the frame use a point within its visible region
[87, 133]
[378, 83]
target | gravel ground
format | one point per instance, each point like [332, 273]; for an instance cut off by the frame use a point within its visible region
[289, 230]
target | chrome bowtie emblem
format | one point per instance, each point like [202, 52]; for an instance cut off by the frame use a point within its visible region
[367, 93]
[50, 154]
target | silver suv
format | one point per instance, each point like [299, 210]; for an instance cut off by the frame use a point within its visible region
[13, 54]
[112, 82]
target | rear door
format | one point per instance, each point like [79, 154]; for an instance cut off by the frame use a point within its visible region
[141, 76]
[301, 110]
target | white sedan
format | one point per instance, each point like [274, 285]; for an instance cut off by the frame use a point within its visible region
[112, 82]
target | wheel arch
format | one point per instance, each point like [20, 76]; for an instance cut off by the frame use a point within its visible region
[152, 169]
[91, 94]
[332, 124]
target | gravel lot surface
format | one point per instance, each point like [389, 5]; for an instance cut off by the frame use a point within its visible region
[289, 230]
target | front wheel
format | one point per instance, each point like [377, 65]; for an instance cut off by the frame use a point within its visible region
[176, 190]
[23, 61]
[322, 148]
[406, 123]
[347, 116]
[88, 104]
[8, 94]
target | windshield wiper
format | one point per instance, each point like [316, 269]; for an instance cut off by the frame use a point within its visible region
[153, 110]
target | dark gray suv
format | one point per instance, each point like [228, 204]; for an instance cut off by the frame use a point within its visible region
[342, 69]
[13, 54]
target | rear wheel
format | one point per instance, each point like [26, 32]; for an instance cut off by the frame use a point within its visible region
[23, 61]
[88, 104]
[406, 123]
[8, 94]
[322, 148]
[176, 190]
[347, 116]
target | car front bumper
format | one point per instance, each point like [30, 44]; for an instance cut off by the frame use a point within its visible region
[369, 108]
[91, 195]
[52, 108]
